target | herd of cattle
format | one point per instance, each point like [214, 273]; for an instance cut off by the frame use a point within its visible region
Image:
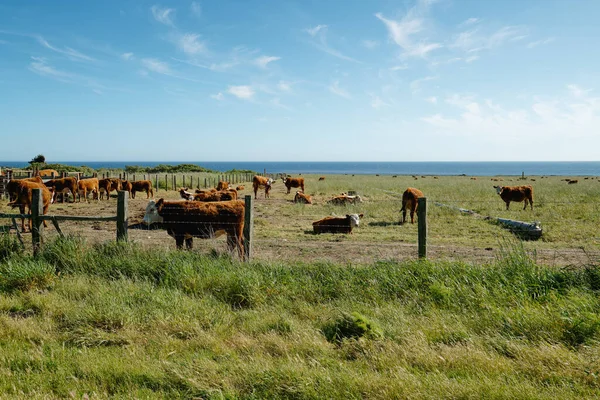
[206, 213]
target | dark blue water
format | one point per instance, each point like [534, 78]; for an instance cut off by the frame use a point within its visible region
[384, 168]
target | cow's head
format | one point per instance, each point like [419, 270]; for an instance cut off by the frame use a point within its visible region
[153, 209]
[498, 189]
[354, 219]
[358, 199]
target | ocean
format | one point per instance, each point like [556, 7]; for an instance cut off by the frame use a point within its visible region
[476, 168]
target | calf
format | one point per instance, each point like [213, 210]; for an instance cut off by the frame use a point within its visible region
[105, 186]
[126, 186]
[321, 178]
[293, 183]
[302, 198]
[240, 187]
[63, 185]
[183, 192]
[24, 195]
[222, 185]
[185, 220]
[262, 181]
[345, 199]
[516, 193]
[410, 199]
[337, 225]
[142, 186]
[89, 185]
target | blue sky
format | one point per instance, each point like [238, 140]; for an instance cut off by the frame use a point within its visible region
[322, 80]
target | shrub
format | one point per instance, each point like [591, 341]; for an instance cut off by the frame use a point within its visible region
[350, 326]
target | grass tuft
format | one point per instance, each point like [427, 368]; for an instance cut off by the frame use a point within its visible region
[351, 326]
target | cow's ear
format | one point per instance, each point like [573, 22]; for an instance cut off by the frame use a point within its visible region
[360, 215]
[159, 204]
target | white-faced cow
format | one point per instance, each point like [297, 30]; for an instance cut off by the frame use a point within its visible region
[336, 224]
[262, 181]
[185, 220]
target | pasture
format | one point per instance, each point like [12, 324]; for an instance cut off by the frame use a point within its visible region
[568, 213]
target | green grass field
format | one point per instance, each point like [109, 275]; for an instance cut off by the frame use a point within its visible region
[118, 320]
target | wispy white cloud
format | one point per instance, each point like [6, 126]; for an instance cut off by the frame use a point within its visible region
[219, 96]
[432, 100]
[369, 44]
[337, 90]
[196, 8]
[40, 66]
[537, 43]
[67, 51]
[263, 61]
[402, 32]
[163, 15]
[399, 67]
[157, 66]
[276, 102]
[377, 102]
[415, 85]
[319, 33]
[316, 29]
[470, 59]
[127, 56]
[577, 91]
[284, 86]
[190, 43]
[241, 92]
[476, 41]
[469, 21]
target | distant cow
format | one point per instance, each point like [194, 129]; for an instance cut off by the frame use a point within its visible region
[240, 187]
[516, 193]
[126, 186]
[302, 198]
[185, 220]
[410, 199]
[321, 178]
[89, 185]
[336, 224]
[52, 173]
[218, 195]
[24, 195]
[345, 199]
[142, 186]
[222, 185]
[262, 181]
[293, 183]
[63, 185]
[572, 181]
[13, 185]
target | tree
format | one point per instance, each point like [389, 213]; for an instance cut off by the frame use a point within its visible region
[39, 159]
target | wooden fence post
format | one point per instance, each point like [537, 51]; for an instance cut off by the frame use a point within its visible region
[122, 216]
[37, 207]
[422, 226]
[248, 228]
[183, 185]
[156, 182]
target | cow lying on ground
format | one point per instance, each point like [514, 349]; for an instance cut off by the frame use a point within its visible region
[89, 185]
[24, 195]
[185, 220]
[240, 187]
[302, 198]
[293, 183]
[410, 199]
[344, 199]
[217, 195]
[13, 185]
[516, 193]
[142, 186]
[63, 185]
[183, 192]
[262, 181]
[48, 173]
[336, 224]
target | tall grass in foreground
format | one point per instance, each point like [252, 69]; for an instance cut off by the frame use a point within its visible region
[117, 320]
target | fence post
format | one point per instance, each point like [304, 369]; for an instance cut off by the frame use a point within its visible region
[166, 182]
[122, 216]
[422, 226]
[183, 184]
[156, 182]
[37, 207]
[248, 228]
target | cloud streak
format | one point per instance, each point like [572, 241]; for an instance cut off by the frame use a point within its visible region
[163, 15]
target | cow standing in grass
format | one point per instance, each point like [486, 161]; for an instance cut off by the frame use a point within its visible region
[410, 199]
[262, 181]
[516, 193]
[293, 183]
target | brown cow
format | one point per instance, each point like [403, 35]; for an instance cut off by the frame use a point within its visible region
[240, 187]
[219, 195]
[63, 185]
[24, 198]
[13, 185]
[52, 173]
[302, 198]
[222, 185]
[185, 220]
[321, 178]
[336, 224]
[183, 192]
[516, 193]
[293, 183]
[89, 185]
[142, 186]
[262, 181]
[126, 186]
[409, 201]
[345, 199]
[104, 185]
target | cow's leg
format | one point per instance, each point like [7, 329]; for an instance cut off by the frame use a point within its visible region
[412, 214]
[507, 204]
[525, 206]
[531, 204]
[179, 241]
[189, 243]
